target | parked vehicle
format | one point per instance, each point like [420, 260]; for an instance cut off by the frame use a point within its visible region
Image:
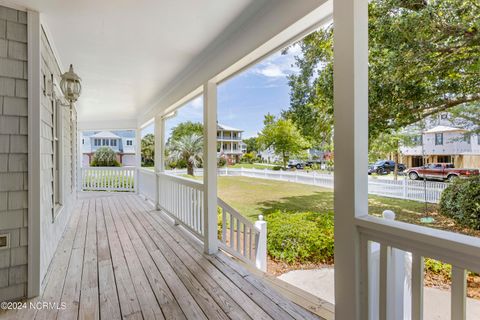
[440, 171]
[296, 164]
[310, 163]
[385, 167]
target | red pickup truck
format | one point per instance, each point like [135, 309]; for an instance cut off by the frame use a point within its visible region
[440, 171]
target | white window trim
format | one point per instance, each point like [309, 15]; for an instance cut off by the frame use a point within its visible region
[58, 154]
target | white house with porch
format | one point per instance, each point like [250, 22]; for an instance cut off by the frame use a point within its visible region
[154, 248]
[230, 143]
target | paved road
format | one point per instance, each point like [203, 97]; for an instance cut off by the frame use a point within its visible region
[320, 283]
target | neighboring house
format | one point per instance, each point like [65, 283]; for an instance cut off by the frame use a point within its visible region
[122, 142]
[443, 144]
[268, 155]
[230, 144]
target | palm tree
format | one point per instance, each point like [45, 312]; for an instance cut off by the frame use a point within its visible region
[188, 148]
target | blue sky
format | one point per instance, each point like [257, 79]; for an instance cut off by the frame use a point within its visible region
[246, 98]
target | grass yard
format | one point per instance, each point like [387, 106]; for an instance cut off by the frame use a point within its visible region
[252, 166]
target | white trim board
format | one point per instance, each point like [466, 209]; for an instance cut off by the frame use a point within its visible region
[34, 183]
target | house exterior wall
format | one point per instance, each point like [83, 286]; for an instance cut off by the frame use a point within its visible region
[13, 152]
[53, 222]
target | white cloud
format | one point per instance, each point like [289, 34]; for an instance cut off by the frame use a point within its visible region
[197, 103]
[278, 65]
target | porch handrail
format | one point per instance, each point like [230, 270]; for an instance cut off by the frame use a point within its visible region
[242, 238]
[108, 178]
[395, 239]
[182, 200]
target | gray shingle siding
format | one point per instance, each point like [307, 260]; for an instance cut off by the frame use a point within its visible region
[13, 153]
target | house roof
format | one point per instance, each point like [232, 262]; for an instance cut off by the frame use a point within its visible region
[105, 134]
[439, 129]
[227, 128]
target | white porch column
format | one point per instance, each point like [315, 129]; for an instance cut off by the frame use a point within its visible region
[351, 153]
[210, 166]
[159, 154]
[138, 155]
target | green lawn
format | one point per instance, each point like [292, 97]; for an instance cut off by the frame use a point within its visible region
[252, 166]
[252, 196]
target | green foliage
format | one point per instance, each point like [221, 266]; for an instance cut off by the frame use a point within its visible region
[423, 59]
[104, 157]
[188, 148]
[277, 168]
[438, 267]
[283, 136]
[185, 129]
[249, 157]
[221, 162]
[252, 144]
[148, 150]
[300, 236]
[461, 201]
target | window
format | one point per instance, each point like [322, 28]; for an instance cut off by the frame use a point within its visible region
[417, 140]
[444, 159]
[129, 142]
[105, 142]
[57, 157]
[96, 142]
[438, 139]
[83, 141]
[113, 142]
[444, 116]
[478, 139]
[466, 137]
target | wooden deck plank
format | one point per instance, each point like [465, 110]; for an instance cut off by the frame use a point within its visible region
[294, 310]
[146, 297]
[108, 297]
[129, 305]
[118, 258]
[211, 309]
[89, 303]
[165, 298]
[183, 250]
[71, 290]
[54, 285]
[223, 274]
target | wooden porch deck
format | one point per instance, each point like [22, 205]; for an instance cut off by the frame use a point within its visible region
[121, 259]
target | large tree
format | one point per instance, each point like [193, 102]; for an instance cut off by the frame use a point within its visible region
[252, 144]
[148, 150]
[188, 148]
[424, 58]
[186, 128]
[283, 136]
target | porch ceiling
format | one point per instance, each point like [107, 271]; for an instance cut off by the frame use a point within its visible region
[126, 50]
[133, 54]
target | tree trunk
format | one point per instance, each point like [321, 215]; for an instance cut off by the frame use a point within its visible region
[190, 169]
[284, 158]
[395, 169]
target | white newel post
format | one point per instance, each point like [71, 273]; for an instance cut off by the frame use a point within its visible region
[138, 157]
[261, 250]
[210, 167]
[159, 155]
[351, 156]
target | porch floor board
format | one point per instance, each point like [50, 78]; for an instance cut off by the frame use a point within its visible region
[119, 258]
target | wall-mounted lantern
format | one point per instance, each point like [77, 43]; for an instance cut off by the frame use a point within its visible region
[71, 85]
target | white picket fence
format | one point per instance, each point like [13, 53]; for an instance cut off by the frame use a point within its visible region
[423, 191]
[108, 179]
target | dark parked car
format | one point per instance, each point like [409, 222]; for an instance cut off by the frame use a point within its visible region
[385, 167]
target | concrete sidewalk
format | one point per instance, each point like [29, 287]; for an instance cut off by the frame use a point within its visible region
[320, 283]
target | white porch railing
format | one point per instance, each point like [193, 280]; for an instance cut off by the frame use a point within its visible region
[429, 191]
[182, 200]
[242, 238]
[392, 266]
[147, 183]
[108, 179]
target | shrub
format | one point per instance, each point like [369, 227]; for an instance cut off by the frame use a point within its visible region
[461, 202]
[221, 162]
[300, 236]
[104, 157]
[438, 267]
[277, 168]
